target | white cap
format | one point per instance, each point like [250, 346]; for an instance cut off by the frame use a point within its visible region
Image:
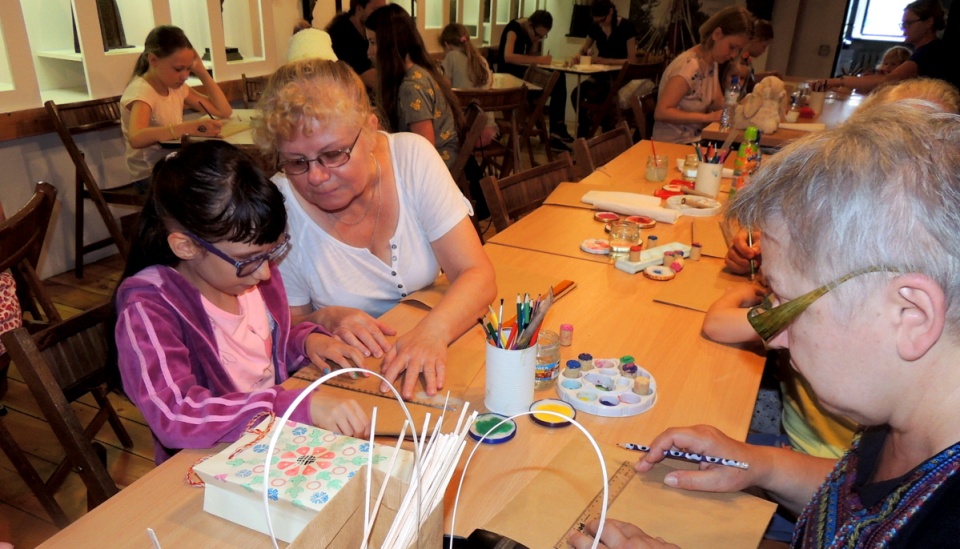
[310, 44]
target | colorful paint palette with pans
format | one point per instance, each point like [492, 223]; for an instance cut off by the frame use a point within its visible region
[605, 391]
[490, 425]
[552, 405]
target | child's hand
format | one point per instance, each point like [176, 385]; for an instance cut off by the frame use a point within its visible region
[741, 252]
[320, 348]
[198, 68]
[204, 127]
[339, 414]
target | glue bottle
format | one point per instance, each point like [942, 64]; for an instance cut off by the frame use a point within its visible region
[748, 159]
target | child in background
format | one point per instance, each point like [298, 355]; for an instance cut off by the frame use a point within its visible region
[893, 58]
[203, 334]
[463, 65]
[152, 105]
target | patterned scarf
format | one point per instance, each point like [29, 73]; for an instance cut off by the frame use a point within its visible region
[836, 518]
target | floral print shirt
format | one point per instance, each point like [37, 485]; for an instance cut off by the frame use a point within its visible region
[421, 99]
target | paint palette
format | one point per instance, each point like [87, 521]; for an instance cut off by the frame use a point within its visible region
[605, 391]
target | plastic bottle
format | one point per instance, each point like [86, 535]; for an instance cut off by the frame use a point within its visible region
[730, 99]
[748, 159]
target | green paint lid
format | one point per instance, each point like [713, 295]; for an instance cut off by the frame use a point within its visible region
[489, 424]
[750, 134]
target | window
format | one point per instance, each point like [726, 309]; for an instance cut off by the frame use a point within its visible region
[878, 20]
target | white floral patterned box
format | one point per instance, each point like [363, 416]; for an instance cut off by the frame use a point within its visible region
[310, 466]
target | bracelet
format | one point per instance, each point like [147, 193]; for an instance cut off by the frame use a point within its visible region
[172, 133]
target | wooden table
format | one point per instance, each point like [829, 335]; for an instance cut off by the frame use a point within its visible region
[505, 80]
[580, 71]
[699, 382]
[835, 111]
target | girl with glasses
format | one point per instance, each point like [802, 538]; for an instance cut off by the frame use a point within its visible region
[204, 335]
[376, 217]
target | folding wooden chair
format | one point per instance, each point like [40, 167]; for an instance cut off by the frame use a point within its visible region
[59, 365]
[533, 121]
[642, 109]
[252, 89]
[609, 109]
[504, 103]
[590, 154]
[475, 120]
[83, 117]
[511, 197]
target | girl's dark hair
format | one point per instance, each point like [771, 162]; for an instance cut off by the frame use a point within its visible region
[397, 37]
[213, 190]
[925, 9]
[162, 41]
[601, 8]
[541, 18]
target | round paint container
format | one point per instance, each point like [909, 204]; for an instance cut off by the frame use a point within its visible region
[606, 217]
[486, 424]
[552, 405]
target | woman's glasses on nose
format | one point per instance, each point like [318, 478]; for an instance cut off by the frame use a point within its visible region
[327, 159]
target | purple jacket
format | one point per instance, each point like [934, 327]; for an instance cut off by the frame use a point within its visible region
[171, 368]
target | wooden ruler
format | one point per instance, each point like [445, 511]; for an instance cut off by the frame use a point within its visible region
[371, 386]
[615, 486]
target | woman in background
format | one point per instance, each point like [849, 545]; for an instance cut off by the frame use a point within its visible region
[152, 105]
[411, 93]
[690, 95]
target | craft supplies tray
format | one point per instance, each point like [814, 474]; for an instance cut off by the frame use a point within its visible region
[606, 391]
[652, 256]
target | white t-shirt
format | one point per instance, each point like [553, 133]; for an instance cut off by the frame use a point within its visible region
[703, 84]
[164, 110]
[322, 271]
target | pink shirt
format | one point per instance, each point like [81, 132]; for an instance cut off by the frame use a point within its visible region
[244, 341]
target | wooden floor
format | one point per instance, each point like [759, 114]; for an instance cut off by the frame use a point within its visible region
[23, 522]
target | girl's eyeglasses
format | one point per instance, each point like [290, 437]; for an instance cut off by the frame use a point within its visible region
[245, 267]
[769, 319]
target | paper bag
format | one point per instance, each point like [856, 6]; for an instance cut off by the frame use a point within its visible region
[340, 524]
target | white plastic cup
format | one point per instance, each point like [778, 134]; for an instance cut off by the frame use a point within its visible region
[585, 60]
[708, 178]
[510, 376]
[815, 101]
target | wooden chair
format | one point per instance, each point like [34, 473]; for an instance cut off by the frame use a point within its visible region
[609, 109]
[534, 122]
[642, 109]
[511, 197]
[83, 117]
[504, 103]
[590, 154]
[475, 120]
[59, 365]
[252, 89]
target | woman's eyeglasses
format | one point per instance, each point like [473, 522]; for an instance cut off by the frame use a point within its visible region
[906, 24]
[327, 159]
[769, 319]
[245, 267]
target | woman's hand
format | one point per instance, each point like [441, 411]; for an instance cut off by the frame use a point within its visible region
[417, 351]
[616, 535]
[338, 414]
[706, 440]
[741, 252]
[320, 348]
[356, 328]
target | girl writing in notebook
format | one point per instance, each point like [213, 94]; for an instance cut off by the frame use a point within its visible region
[203, 334]
[152, 105]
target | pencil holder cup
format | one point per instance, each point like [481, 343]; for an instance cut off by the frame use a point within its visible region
[815, 101]
[510, 376]
[708, 178]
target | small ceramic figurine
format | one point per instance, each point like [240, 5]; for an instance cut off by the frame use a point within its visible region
[764, 107]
